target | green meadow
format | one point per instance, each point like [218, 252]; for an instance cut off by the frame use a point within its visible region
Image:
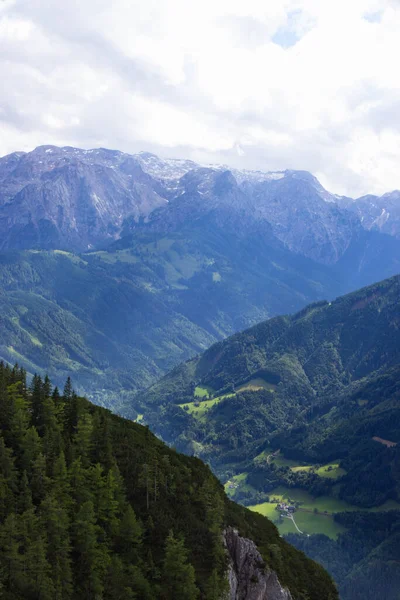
[204, 400]
[314, 514]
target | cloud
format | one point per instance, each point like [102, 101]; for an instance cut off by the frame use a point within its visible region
[282, 84]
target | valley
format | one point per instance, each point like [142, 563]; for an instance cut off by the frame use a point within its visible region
[189, 299]
[313, 514]
[199, 300]
[298, 417]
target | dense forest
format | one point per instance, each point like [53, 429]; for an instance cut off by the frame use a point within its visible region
[94, 506]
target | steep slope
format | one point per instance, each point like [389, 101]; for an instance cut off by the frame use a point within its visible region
[380, 213]
[93, 506]
[319, 386]
[71, 199]
[320, 350]
[183, 256]
[305, 407]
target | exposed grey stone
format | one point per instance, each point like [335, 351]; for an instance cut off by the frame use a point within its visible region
[248, 576]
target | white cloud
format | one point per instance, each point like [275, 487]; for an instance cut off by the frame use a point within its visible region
[292, 84]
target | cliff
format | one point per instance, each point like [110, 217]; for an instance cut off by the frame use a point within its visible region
[248, 575]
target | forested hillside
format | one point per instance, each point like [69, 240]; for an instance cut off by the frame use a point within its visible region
[304, 409]
[93, 506]
[285, 371]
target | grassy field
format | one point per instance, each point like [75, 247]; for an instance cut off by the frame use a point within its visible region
[310, 523]
[330, 470]
[314, 515]
[238, 481]
[203, 392]
[307, 522]
[204, 400]
[200, 410]
[199, 407]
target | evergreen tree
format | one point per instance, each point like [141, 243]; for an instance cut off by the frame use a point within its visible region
[178, 577]
[68, 391]
[61, 484]
[92, 555]
[83, 437]
[31, 448]
[56, 524]
[25, 494]
[40, 482]
[8, 479]
[129, 539]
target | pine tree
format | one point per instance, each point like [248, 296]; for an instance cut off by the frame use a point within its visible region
[217, 587]
[37, 397]
[101, 441]
[55, 522]
[77, 475]
[25, 494]
[178, 578]
[23, 548]
[92, 556]
[19, 415]
[31, 448]
[8, 479]
[83, 437]
[61, 488]
[130, 536]
[40, 482]
[52, 433]
[68, 391]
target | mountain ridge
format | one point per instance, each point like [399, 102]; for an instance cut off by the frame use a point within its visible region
[74, 199]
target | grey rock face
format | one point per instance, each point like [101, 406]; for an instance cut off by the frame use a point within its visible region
[74, 199]
[379, 213]
[249, 578]
[304, 216]
[71, 199]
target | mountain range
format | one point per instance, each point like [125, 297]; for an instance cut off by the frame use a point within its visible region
[116, 267]
[202, 301]
[74, 199]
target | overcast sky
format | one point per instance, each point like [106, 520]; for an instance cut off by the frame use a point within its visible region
[266, 84]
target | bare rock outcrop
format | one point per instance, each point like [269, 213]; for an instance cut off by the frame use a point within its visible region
[249, 577]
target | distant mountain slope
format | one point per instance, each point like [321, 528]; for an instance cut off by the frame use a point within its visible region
[379, 213]
[121, 319]
[93, 506]
[73, 199]
[323, 348]
[309, 406]
[181, 256]
[319, 385]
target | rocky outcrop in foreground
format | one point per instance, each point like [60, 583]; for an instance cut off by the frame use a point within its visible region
[249, 577]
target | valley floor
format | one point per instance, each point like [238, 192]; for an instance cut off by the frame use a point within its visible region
[313, 515]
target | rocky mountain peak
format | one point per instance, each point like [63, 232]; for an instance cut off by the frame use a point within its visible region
[77, 199]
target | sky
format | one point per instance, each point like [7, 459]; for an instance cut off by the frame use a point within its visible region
[257, 84]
